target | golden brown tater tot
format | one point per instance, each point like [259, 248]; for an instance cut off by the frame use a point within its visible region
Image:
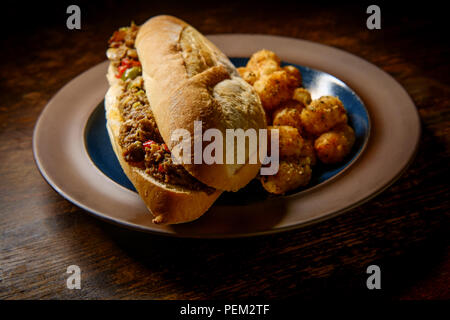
[274, 89]
[308, 151]
[335, 145]
[294, 75]
[247, 75]
[262, 57]
[288, 116]
[290, 141]
[291, 175]
[323, 114]
[302, 95]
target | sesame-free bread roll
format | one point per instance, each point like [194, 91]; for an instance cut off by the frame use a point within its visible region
[188, 78]
[168, 203]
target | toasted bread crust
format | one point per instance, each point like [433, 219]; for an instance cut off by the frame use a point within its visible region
[186, 79]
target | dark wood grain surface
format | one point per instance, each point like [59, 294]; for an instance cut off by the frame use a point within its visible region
[405, 230]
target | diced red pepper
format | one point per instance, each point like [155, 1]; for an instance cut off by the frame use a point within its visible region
[161, 168]
[130, 63]
[166, 147]
[121, 70]
[125, 64]
[148, 143]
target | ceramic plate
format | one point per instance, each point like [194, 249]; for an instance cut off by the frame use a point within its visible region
[73, 152]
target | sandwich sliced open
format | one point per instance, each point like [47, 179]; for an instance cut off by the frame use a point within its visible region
[164, 76]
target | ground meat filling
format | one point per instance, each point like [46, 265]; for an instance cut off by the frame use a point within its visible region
[139, 137]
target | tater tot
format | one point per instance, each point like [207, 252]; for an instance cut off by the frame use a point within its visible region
[273, 83]
[302, 95]
[291, 175]
[335, 145]
[308, 151]
[262, 57]
[290, 141]
[263, 63]
[274, 89]
[288, 115]
[242, 70]
[294, 75]
[292, 104]
[248, 75]
[323, 114]
[267, 67]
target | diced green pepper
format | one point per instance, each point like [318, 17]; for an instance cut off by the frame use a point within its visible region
[131, 73]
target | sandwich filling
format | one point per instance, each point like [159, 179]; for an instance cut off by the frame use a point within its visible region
[140, 140]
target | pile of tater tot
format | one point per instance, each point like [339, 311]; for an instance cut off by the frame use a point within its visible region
[309, 130]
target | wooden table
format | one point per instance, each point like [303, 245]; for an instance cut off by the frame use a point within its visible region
[404, 230]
